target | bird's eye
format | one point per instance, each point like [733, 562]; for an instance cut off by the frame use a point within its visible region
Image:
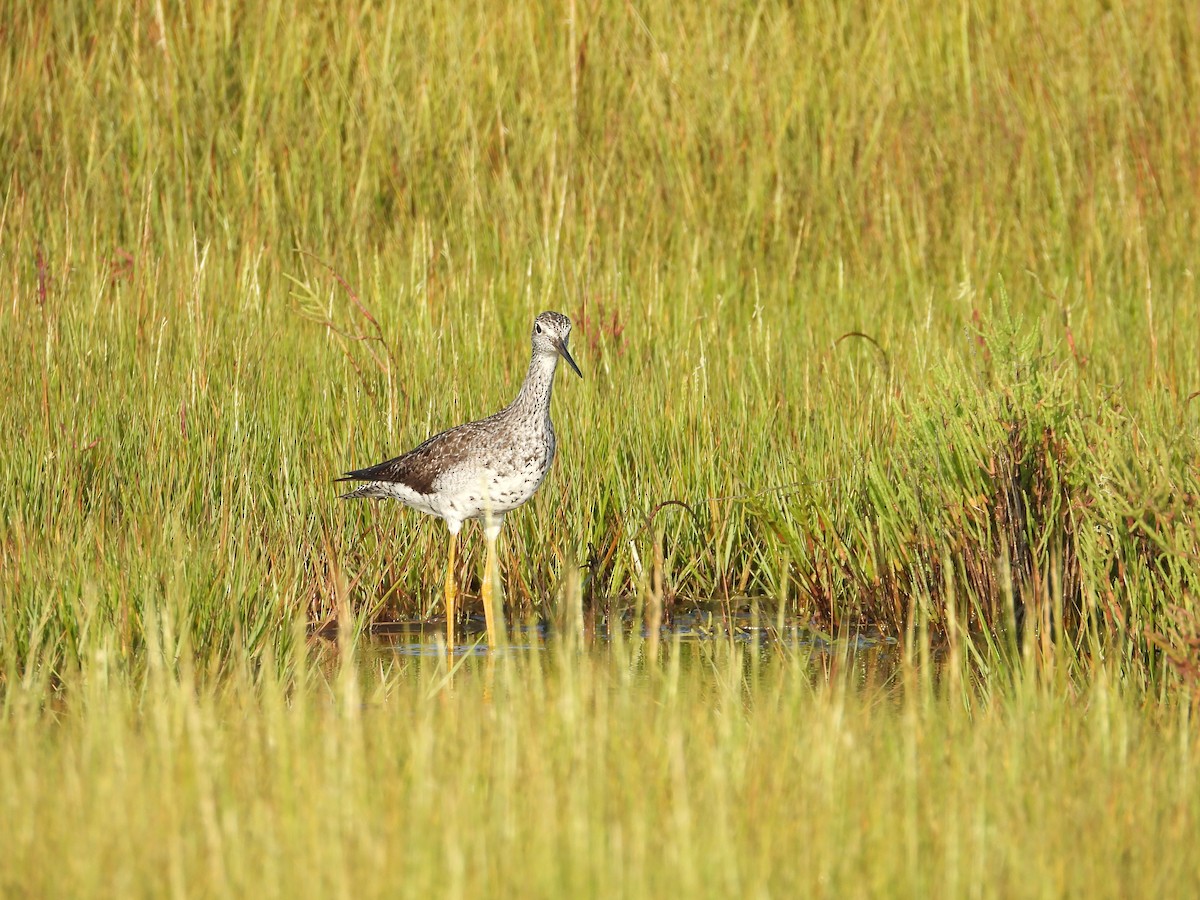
[537, 328]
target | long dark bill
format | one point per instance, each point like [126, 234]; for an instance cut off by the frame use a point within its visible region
[566, 354]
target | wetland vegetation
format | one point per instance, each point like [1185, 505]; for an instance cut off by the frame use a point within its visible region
[889, 325]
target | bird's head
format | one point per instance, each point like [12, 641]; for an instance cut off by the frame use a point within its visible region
[550, 333]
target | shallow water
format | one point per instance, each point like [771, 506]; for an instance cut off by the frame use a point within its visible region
[695, 629]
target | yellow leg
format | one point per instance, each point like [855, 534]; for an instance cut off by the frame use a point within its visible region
[493, 616]
[451, 593]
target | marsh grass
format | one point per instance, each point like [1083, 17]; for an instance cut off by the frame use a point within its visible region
[888, 320]
[898, 305]
[594, 774]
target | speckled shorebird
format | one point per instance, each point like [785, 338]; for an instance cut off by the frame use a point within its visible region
[481, 470]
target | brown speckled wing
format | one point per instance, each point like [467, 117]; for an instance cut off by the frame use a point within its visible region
[419, 469]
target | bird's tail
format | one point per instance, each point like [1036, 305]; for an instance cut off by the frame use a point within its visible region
[368, 490]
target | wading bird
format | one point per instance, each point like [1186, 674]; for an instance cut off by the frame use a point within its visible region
[481, 470]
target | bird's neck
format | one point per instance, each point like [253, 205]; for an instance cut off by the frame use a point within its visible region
[534, 397]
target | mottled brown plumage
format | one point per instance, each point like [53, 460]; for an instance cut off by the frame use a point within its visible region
[483, 469]
[419, 468]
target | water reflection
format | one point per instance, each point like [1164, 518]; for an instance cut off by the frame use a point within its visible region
[427, 639]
